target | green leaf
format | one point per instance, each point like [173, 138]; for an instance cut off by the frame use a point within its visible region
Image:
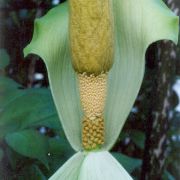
[129, 163]
[52, 31]
[29, 143]
[18, 108]
[138, 138]
[59, 146]
[4, 58]
[17, 114]
[60, 151]
[8, 89]
[136, 27]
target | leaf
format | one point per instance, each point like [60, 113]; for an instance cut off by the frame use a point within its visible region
[50, 120]
[4, 58]
[102, 165]
[135, 28]
[138, 138]
[60, 151]
[70, 170]
[18, 107]
[8, 89]
[59, 146]
[130, 164]
[17, 114]
[29, 143]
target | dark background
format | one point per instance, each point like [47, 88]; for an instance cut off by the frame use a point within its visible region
[32, 143]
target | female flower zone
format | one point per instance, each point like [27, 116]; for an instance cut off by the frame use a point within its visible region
[94, 52]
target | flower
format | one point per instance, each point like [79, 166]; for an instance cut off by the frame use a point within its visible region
[137, 24]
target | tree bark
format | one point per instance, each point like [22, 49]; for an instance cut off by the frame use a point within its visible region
[159, 115]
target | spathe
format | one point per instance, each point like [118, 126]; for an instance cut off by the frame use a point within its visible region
[137, 24]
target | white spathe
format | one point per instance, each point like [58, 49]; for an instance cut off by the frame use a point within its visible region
[137, 23]
[102, 166]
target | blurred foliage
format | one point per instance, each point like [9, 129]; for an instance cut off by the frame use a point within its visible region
[32, 142]
[31, 138]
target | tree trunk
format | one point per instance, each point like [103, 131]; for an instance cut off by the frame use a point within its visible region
[158, 118]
